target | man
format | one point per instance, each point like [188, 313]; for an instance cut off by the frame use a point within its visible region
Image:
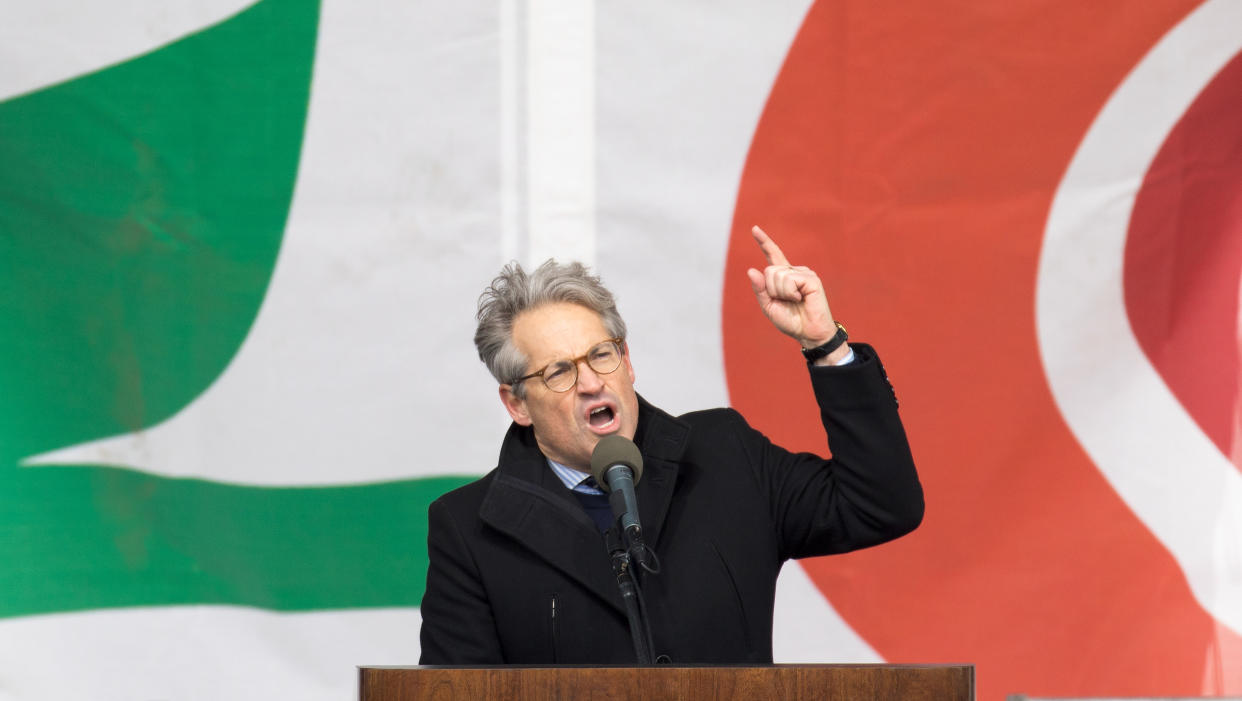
[518, 568]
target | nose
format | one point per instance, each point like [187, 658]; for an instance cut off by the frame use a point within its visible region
[589, 381]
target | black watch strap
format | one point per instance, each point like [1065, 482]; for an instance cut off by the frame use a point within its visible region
[813, 354]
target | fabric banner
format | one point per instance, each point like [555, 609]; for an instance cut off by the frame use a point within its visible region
[241, 244]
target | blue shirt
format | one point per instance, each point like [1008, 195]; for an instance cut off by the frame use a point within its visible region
[573, 479]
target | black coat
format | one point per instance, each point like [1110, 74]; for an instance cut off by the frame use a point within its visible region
[519, 574]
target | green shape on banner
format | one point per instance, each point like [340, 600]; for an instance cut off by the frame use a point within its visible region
[141, 212]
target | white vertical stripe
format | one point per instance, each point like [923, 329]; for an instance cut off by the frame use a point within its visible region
[510, 59]
[560, 130]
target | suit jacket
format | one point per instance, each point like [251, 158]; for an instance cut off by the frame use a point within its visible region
[519, 574]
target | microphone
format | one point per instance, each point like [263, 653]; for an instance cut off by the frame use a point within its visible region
[617, 466]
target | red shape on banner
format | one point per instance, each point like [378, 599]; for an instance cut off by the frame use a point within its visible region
[1184, 258]
[909, 153]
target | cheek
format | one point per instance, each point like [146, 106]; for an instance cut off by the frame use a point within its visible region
[556, 411]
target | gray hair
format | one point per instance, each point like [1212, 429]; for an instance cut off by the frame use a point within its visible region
[514, 291]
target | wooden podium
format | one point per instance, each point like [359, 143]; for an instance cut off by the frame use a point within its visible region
[869, 682]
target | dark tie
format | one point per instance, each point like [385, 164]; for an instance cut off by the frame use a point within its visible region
[595, 505]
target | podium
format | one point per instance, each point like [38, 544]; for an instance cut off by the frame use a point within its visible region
[852, 682]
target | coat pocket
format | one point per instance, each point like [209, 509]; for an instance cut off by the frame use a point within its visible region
[552, 624]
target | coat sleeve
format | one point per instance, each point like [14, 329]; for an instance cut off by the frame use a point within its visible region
[867, 493]
[458, 626]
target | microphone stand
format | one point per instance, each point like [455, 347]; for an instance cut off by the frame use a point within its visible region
[630, 596]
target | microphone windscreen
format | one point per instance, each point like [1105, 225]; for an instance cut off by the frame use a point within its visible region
[615, 450]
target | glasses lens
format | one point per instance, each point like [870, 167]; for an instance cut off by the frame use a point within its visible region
[560, 376]
[604, 358]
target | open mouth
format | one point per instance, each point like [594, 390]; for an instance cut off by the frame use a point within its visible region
[601, 417]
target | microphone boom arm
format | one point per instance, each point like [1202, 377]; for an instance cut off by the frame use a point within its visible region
[630, 596]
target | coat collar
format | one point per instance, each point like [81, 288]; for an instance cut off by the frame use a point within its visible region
[527, 502]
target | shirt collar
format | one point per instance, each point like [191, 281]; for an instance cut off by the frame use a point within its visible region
[573, 479]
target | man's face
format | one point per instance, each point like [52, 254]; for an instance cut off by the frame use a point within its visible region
[568, 424]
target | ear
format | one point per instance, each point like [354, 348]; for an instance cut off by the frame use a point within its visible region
[629, 367]
[515, 405]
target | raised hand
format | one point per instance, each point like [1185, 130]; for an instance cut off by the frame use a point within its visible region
[792, 297]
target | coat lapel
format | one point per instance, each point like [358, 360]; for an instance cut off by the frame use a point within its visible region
[527, 502]
[662, 439]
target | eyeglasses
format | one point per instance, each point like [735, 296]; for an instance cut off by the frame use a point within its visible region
[562, 375]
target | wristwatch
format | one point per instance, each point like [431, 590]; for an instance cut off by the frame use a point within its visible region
[813, 354]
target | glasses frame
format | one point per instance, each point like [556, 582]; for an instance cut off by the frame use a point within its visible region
[585, 357]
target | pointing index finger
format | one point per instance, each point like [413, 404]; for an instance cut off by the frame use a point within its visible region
[770, 250]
